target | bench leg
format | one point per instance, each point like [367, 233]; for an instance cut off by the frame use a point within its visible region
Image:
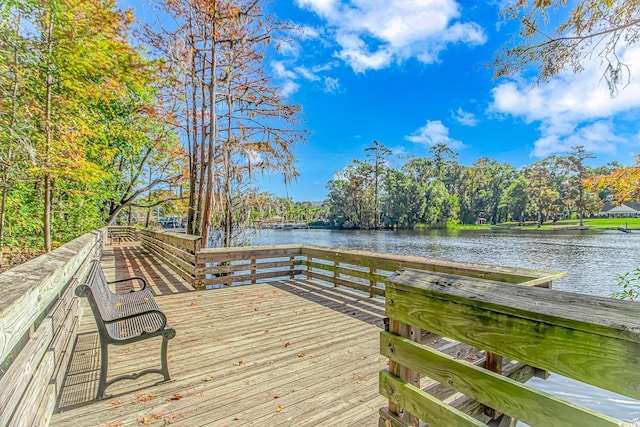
[104, 364]
[163, 355]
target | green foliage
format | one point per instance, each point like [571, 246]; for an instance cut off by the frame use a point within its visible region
[592, 29]
[629, 286]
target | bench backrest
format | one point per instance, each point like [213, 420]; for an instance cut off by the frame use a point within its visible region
[101, 299]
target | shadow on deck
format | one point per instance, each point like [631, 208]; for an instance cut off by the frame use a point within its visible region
[281, 353]
[125, 258]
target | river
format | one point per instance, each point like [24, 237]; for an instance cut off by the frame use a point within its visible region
[592, 260]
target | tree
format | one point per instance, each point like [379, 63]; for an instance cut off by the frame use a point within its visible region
[351, 197]
[441, 207]
[235, 123]
[378, 154]
[594, 28]
[576, 183]
[404, 200]
[542, 196]
[622, 184]
[515, 200]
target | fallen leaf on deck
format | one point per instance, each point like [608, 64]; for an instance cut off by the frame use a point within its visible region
[278, 408]
[287, 344]
[300, 354]
[276, 397]
[240, 362]
[208, 378]
[175, 397]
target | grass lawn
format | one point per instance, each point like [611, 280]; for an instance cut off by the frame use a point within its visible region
[592, 223]
[610, 223]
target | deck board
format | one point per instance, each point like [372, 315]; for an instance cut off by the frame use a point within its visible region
[239, 354]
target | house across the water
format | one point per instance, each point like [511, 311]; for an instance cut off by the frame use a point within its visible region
[623, 210]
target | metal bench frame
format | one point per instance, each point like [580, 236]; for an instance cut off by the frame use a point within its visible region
[124, 319]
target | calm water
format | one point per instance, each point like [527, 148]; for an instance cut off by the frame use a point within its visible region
[591, 259]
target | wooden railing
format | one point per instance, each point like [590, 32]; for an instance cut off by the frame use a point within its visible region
[123, 231]
[591, 339]
[177, 250]
[361, 270]
[38, 326]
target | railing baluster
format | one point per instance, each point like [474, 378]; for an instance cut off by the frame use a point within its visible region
[253, 271]
[372, 282]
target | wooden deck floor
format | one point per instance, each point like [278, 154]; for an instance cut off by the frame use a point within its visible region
[126, 258]
[290, 353]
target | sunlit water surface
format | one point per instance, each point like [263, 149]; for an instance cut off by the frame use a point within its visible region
[592, 260]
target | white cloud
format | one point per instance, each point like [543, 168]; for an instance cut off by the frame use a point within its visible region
[307, 74]
[288, 79]
[572, 109]
[331, 84]
[372, 34]
[464, 118]
[432, 133]
[281, 72]
[289, 87]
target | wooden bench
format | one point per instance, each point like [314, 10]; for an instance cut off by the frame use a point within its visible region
[123, 319]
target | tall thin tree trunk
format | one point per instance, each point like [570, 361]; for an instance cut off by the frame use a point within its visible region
[48, 137]
[193, 220]
[213, 132]
[204, 165]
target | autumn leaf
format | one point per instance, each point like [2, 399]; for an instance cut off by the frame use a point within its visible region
[278, 408]
[287, 344]
[300, 354]
[175, 397]
[208, 378]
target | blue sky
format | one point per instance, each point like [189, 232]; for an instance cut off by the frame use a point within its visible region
[413, 73]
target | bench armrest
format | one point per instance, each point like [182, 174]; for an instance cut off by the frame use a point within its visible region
[140, 314]
[144, 282]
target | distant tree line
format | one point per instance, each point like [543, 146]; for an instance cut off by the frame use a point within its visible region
[436, 190]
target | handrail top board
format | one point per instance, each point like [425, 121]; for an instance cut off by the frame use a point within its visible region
[249, 248]
[589, 313]
[525, 273]
[184, 236]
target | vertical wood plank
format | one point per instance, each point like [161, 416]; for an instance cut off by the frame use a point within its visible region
[372, 282]
[309, 267]
[493, 363]
[336, 274]
[253, 271]
[410, 376]
[291, 267]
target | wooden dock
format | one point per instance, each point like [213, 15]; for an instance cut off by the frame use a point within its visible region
[293, 336]
[288, 353]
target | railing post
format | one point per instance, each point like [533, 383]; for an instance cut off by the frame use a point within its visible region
[372, 282]
[336, 274]
[407, 375]
[309, 267]
[291, 267]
